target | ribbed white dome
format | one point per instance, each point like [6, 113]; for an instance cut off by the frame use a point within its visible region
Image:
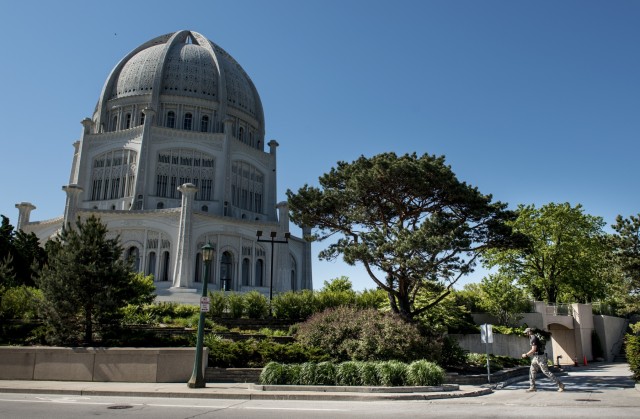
[184, 64]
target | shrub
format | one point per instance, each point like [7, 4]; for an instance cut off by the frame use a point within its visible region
[20, 302]
[632, 350]
[391, 373]
[325, 374]
[368, 373]
[452, 354]
[256, 305]
[375, 299]
[346, 333]
[348, 374]
[235, 302]
[424, 373]
[308, 373]
[292, 305]
[330, 299]
[274, 373]
[217, 303]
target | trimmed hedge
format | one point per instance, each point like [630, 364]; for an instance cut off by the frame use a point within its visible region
[354, 373]
[632, 349]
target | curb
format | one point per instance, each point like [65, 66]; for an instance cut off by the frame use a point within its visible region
[259, 395]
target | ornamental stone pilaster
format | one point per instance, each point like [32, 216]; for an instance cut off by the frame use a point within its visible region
[183, 269]
[24, 213]
[73, 192]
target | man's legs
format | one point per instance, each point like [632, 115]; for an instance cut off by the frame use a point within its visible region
[533, 370]
[542, 362]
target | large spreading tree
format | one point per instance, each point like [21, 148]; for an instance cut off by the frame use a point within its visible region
[566, 257]
[86, 283]
[407, 219]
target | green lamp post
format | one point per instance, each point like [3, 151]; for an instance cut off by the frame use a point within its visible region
[197, 378]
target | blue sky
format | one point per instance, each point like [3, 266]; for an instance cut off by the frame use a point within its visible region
[533, 102]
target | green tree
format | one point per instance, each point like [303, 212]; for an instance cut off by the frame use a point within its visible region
[503, 299]
[626, 255]
[340, 284]
[87, 283]
[565, 259]
[408, 220]
[21, 253]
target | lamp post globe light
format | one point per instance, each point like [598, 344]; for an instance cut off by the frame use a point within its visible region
[197, 377]
[272, 241]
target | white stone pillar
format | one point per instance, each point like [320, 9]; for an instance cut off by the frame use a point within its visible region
[73, 196]
[182, 273]
[24, 213]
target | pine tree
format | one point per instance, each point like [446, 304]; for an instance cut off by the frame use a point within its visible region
[86, 283]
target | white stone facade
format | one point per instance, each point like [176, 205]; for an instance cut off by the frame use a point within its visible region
[173, 158]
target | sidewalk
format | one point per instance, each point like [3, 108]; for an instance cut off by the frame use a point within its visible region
[231, 391]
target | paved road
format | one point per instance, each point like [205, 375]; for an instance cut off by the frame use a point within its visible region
[597, 391]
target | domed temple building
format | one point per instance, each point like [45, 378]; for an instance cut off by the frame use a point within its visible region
[173, 158]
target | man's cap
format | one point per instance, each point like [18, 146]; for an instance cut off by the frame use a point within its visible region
[528, 330]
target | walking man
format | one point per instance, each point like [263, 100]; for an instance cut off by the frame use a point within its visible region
[538, 360]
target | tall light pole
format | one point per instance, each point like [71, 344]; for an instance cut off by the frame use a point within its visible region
[272, 241]
[197, 378]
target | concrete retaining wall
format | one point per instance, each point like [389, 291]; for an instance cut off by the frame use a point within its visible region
[509, 345]
[146, 365]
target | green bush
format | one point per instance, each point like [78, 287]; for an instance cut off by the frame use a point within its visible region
[424, 373]
[293, 305]
[325, 374]
[325, 299]
[348, 374]
[392, 373]
[235, 302]
[350, 334]
[368, 373]
[388, 373]
[20, 302]
[256, 305]
[308, 373]
[274, 373]
[632, 350]
[225, 353]
[375, 299]
[217, 303]
[452, 354]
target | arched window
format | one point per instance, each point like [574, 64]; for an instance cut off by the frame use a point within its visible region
[160, 205]
[134, 256]
[226, 271]
[204, 124]
[294, 282]
[246, 271]
[205, 208]
[165, 266]
[141, 118]
[171, 119]
[151, 264]
[128, 121]
[240, 133]
[259, 273]
[187, 121]
[199, 266]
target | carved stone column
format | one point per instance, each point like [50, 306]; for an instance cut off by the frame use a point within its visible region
[182, 274]
[24, 213]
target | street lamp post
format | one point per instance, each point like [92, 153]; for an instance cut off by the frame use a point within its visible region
[272, 240]
[197, 378]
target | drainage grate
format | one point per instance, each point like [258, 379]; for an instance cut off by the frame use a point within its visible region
[120, 406]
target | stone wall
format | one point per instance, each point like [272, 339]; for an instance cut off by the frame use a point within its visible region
[146, 365]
